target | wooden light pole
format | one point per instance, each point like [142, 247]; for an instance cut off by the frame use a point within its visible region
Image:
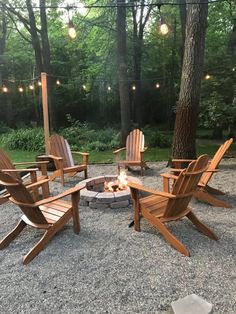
[45, 112]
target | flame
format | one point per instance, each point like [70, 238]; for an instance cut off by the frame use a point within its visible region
[118, 185]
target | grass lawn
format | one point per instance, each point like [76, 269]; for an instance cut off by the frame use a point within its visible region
[152, 154]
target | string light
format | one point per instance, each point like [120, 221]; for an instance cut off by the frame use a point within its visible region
[133, 87]
[5, 89]
[207, 76]
[58, 82]
[20, 89]
[233, 69]
[70, 25]
[84, 87]
[164, 29]
[157, 85]
[39, 83]
[31, 87]
[109, 88]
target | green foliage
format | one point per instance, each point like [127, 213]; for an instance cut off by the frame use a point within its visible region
[24, 139]
[154, 138]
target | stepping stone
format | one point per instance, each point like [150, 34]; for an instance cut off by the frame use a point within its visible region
[191, 304]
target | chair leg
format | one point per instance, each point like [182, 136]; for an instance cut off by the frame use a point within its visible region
[201, 227]
[12, 235]
[75, 212]
[85, 173]
[40, 245]
[213, 190]
[166, 233]
[210, 199]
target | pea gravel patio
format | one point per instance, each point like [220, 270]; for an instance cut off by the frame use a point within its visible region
[110, 268]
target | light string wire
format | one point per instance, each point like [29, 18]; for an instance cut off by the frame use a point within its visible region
[97, 6]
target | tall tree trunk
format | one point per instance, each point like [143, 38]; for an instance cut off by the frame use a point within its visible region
[122, 71]
[3, 36]
[189, 97]
[183, 17]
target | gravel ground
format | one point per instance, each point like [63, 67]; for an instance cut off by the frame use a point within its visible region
[110, 268]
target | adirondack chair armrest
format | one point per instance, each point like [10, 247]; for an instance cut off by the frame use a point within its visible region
[55, 157]
[20, 170]
[182, 160]
[71, 191]
[169, 176]
[84, 155]
[176, 170]
[37, 183]
[31, 163]
[119, 150]
[140, 187]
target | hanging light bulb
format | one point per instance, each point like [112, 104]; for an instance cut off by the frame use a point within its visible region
[5, 89]
[163, 27]
[84, 87]
[70, 25]
[133, 87]
[71, 30]
[157, 85]
[207, 77]
[109, 88]
[39, 83]
[31, 87]
[58, 82]
[20, 89]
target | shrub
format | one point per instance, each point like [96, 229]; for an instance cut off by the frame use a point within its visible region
[154, 138]
[24, 139]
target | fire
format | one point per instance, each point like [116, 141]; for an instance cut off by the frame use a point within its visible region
[117, 185]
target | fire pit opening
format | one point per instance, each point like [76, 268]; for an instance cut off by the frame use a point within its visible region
[109, 184]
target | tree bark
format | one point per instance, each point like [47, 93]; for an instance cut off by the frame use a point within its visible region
[122, 71]
[189, 97]
[3, 36]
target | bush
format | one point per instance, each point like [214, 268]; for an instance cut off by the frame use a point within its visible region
[24, 139]
[154, 138]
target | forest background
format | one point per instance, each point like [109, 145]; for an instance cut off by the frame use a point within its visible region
[85, 102]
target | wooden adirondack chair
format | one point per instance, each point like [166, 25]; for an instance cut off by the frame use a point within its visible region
[61, 153]
[161, 207]
[7, 166]
[134, 151]
[50, 214]
[204, 192]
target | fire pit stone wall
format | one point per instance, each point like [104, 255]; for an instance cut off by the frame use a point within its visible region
[94, 196]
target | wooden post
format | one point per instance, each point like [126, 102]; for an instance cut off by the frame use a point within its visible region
[45, 112]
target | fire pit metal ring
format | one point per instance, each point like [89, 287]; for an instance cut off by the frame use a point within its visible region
[94, 196]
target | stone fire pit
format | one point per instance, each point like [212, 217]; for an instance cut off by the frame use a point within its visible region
[94, 196]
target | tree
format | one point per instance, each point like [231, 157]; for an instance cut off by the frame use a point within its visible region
[122, 70]
[192, 70]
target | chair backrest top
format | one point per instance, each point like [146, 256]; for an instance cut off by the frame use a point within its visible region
[185, 186]
[5, 163]
[19, 193]
[60, 148]
[216, 160]
[134, 144]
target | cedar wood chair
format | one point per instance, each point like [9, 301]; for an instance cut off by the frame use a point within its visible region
[7, 166]
[50, 214]
[61, 154]
[134, 151]
[204, 192]
[161, 207]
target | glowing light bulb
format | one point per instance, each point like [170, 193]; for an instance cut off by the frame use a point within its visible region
[157, 85]
[233, 69]
[109, 88]
[164, 29]
[71, 30]
[58, 82]
[5, 89]
[84, 87]
[133, 87]
[39, 83]
[207, 77]
[20, 89]
[31, 87]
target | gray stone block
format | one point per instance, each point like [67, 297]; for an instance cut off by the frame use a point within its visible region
[121, 204]
[191, 304]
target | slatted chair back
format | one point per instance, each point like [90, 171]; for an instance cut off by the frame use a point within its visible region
[215, 161]
[134, 144]
[184, 187]
[20, 194]
[5, 163]
[59, 147]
